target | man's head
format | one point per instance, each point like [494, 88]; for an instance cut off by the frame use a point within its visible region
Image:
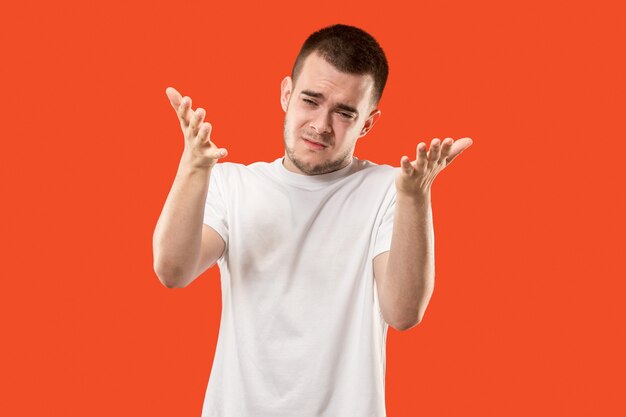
[331, 98]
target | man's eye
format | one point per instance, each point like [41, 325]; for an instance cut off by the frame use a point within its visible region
[312, 103]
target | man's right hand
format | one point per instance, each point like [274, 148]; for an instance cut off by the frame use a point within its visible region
[199, 150]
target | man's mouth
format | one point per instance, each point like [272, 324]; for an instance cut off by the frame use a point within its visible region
[315, 143]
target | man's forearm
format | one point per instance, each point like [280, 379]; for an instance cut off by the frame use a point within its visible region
[178, 234]
[410, 275]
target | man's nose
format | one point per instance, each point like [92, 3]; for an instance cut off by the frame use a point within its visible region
[321, 123]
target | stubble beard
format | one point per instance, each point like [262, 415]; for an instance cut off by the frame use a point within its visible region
[324, 167]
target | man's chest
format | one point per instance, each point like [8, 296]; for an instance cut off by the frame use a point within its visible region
[268, 222]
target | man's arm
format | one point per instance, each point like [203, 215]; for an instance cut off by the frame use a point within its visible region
[405, 278]
[182, 246]
[405, 275]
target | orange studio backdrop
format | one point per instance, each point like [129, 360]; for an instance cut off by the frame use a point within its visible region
[527, 316]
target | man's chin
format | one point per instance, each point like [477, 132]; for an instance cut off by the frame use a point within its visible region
[317, 167]
[306, 166]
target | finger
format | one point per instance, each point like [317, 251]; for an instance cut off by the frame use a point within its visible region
[454, 155]
[178, 102]
[183, 111]
[405, 163]
[197, 118]
[433, 153]
[204, 133]
[459, 146]
[446, 146]
[174, 97]
[422, 158]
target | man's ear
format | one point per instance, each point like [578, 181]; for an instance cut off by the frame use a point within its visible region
[369, 123]
[285, 92]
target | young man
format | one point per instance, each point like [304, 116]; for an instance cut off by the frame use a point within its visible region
[319, 252]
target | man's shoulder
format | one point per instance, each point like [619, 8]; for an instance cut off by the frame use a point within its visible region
[377, 177]
[236, 171]
[227, 166]
[367, 167]
[365, 163]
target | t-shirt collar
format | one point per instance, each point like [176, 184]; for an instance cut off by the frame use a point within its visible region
[303, 179]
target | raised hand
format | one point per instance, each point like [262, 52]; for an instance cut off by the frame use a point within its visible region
[199, 150]
[415, 178]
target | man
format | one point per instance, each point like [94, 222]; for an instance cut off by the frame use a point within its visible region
[319, 252]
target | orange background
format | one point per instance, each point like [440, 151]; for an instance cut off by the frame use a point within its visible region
[527, 317]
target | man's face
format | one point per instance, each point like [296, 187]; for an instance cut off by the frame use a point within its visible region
[325, 106]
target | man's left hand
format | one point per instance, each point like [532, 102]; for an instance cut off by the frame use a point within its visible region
[415, 178]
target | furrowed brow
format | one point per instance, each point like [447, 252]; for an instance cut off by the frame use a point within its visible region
[312, 93]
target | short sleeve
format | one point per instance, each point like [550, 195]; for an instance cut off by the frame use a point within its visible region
[385, 228]
[215, 214]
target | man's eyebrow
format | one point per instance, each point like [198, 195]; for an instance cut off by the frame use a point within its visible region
[341, 106]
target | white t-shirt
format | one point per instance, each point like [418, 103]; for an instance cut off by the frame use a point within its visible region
[301, 332]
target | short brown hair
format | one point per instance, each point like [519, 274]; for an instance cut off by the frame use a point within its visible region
[350, 50]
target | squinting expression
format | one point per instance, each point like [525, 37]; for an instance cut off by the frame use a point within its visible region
[325, 113]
